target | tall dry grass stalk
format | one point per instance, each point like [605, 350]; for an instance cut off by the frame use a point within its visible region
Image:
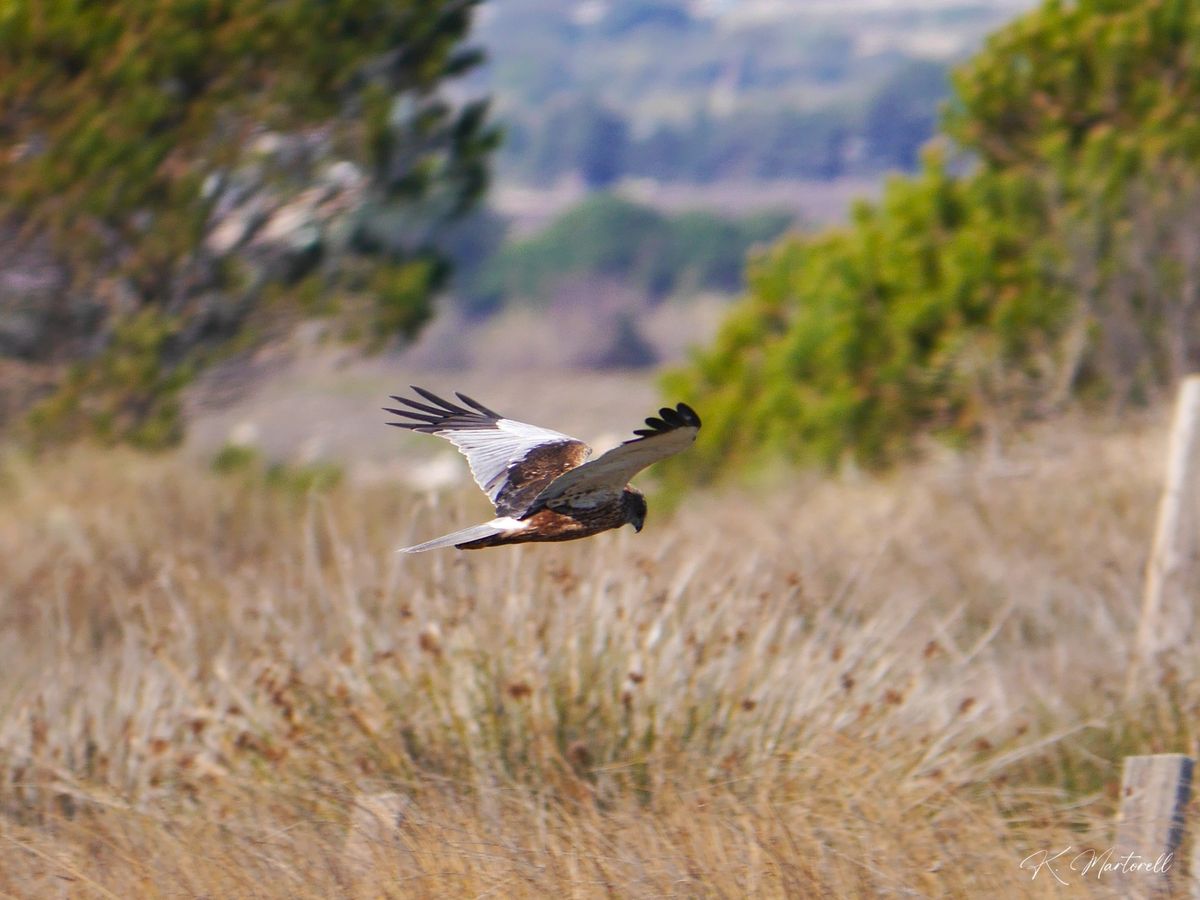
[884, 688]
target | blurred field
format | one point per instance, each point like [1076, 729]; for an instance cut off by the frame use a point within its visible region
[305, 403]
[897, 687]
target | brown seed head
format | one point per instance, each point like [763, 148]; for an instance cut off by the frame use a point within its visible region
[579, 754]
[518, 689]
[430, 641]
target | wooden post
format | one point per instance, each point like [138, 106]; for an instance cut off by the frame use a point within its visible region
[1165, 554]
[1154, 797]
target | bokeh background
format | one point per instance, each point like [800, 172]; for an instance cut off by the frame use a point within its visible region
[928, 269]
[209, 207]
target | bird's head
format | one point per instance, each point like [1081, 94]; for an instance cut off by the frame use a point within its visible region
[635, 508]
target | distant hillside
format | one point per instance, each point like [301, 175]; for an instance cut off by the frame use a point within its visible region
[610, 238]
[705, 92]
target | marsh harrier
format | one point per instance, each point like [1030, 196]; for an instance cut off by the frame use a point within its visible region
[542, 483]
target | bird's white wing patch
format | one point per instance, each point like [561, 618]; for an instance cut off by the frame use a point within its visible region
[491, 451]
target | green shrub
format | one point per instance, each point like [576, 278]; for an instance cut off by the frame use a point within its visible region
[303, 478]
[135, 133]
[128, 394]
[235, 458]
[607, 236]
[1052, 261]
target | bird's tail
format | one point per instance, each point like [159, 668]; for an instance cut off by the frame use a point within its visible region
[474, 533]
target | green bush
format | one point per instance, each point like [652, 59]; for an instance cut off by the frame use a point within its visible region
[851, 341]
[607, 236]
[1052, 260]
[300, 479]
[128, 394]
[234, 458]
[134, 132]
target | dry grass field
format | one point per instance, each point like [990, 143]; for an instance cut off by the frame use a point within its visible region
[854, 688]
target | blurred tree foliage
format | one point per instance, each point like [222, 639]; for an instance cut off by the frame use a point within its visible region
[1099, 102]
[180, 176]
[1056, 257]
[608, 236]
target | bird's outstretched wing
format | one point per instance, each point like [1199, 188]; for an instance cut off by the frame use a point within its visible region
[607, 475]
[511, 461]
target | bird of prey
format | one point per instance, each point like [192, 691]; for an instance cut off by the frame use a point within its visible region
[542, 483]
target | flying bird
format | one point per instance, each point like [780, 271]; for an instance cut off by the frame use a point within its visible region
[543, 484]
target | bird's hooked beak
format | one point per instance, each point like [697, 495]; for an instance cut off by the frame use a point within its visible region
[635, 509]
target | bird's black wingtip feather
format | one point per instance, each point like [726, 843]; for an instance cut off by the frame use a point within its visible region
[672, 417]
[438, 401]
[668, 419]
[477, 406]
[688, 414]
[424, 408]
[441, 412]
